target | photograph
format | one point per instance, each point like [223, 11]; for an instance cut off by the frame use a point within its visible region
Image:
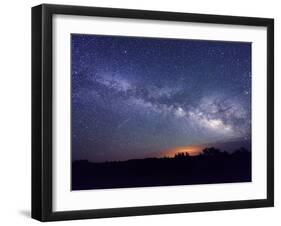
[150, 111]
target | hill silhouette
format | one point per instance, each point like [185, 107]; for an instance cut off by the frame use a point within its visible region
[211, 166]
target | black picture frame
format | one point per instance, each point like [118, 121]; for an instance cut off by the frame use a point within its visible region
[42, 112]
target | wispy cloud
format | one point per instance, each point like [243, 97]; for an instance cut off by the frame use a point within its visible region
[213, 113]
[115, 82]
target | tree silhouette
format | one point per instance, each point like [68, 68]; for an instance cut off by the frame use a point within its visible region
[182, 155]
[211, 152]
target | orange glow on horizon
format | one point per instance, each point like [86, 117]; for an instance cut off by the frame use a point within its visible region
[191, 150]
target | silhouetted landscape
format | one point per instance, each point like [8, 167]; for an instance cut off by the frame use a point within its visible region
[211, 166]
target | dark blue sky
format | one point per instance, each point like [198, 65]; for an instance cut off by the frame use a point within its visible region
[136, 97]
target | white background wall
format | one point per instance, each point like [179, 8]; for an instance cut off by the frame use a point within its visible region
[15, 113]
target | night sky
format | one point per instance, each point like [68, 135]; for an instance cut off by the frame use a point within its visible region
[135, 97]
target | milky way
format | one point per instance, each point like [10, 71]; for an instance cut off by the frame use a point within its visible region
[134, 97]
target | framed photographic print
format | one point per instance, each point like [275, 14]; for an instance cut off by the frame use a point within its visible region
[145, 112]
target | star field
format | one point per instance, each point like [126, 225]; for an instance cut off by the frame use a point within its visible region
[134, 97]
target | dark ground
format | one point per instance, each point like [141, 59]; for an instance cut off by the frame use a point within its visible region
[213, 166]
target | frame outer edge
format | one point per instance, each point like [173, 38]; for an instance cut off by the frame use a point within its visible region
[41, 113]
[47, 112]
[36, 68]
[270, 112]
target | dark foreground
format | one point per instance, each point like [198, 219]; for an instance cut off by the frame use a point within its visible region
[212, 166]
